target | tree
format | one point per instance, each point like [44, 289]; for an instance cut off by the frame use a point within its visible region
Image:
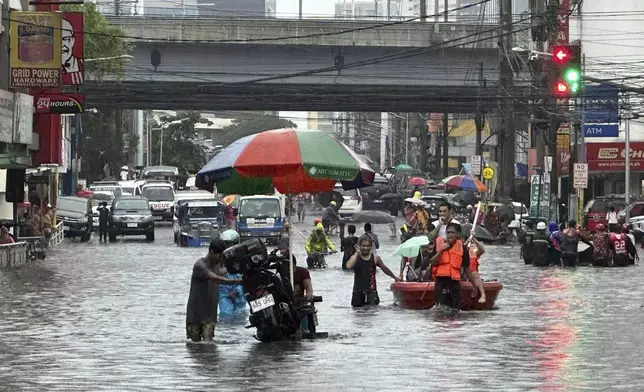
[100, 40]
[249, 123]
[108, 143]
[180, 147]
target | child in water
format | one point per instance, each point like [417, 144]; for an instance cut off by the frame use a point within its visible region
[232, 303]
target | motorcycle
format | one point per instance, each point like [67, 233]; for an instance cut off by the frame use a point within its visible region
[316, 260]
[268, 291]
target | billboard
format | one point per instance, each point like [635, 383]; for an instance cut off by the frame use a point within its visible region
[35, 57]
[72, 50]
[611, 156]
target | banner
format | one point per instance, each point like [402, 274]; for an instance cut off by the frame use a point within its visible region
[611, 157]
[35, 49]
[60, 103]
[563, 150]
[72, 49]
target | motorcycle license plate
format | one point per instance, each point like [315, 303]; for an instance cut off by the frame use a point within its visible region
[262, 303]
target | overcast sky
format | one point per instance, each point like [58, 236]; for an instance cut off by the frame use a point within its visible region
[290, 8]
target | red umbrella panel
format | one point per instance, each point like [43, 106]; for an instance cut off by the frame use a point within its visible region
[417, 181]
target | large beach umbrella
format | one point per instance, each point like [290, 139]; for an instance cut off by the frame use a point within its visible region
[464, 182]
[292, 160]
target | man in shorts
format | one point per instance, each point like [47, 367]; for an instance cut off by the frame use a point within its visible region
[207, 273]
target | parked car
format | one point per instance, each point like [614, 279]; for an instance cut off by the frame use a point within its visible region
[596, 210]
[131, 215]
[352, 201]
[76, 215]
[432, 203]
[371, 195]
[132, 187]
[105, 187]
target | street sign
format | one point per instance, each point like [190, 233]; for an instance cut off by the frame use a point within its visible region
[476, 165]
[601, 104]
[547, 163]
[539, 192]
[601, 130]
[488, 173]
[580, 179]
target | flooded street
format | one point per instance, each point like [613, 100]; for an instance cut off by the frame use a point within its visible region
[112, 317]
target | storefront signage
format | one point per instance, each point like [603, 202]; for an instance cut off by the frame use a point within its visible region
[16, 117]
[601, 104]
[611, 156]
[601, 130]
[540, 195]
[60, 103]
[72, 68]
[35, 49]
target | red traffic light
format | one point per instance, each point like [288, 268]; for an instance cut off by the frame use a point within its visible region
[561, 54]
[561, 88]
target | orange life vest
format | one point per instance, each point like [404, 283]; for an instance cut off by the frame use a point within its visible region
[451, 260]
[474, 258]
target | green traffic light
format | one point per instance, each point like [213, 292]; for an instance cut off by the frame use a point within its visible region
[572, 75]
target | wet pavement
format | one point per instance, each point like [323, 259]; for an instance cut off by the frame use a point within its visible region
[110, 317]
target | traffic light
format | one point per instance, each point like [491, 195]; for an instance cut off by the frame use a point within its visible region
[566, 62]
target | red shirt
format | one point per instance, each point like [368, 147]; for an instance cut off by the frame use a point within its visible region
[299, 276]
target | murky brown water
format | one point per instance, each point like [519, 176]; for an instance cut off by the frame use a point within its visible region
[111, 317]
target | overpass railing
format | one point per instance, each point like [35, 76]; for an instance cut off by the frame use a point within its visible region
[13, 255]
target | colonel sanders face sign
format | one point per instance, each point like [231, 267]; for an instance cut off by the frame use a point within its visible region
[70, 63]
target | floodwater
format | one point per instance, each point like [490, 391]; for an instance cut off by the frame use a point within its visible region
[111, 317]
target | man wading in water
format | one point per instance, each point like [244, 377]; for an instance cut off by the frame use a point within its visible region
[207, 273]
[364, 263]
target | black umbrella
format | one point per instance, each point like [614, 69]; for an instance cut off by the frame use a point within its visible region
[374, 217]
[481, 233]
[327, 197]
[390, 196]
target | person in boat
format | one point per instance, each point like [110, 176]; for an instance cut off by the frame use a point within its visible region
[622, 247]
[207, 274]
[348, 245]
[475, 250]
[317, 242]
[445, 217]
[422, 263]
[540, 246]
[449, 262]
[601, 248]
[526, 240]
[364, 263]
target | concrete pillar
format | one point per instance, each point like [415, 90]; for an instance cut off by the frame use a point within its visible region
[384, 131]
[138, 130]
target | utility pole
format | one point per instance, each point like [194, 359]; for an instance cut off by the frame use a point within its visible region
[479, 118]
[423, 10]
[445, 145]
[407, 140]
[117, 7]
[388, 9]
[446, 6]
[507, 102]
[300, 8]
[4, 45]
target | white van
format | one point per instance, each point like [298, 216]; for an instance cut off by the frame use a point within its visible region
[160, 195]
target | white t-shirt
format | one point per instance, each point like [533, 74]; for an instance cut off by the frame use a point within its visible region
[611, 217]
[443, 230]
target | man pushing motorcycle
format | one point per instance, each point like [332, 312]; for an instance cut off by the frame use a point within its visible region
[316, 244]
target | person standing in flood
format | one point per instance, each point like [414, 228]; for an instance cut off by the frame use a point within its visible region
[103, 218]
[364, 263]
[348, 245]
[203, 301]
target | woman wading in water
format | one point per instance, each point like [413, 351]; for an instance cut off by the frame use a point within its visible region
[364, 263]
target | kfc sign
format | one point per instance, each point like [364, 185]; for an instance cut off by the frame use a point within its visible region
[612, 156]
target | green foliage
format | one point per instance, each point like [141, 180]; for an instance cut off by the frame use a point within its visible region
[179, 142]
[250, 123]
[108, 143]
[100, 40]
